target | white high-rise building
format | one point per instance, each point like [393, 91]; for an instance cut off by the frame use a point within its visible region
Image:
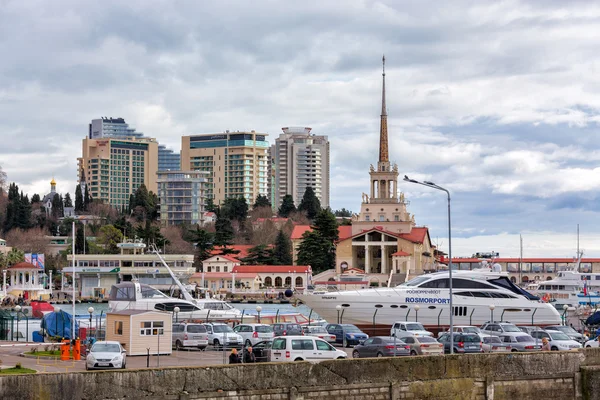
[301, 160]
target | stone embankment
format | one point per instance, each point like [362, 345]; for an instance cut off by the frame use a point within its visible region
[556, 375]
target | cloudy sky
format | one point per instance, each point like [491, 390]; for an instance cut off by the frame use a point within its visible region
[498, 102]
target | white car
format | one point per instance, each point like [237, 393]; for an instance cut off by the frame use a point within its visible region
[464, 329]
[222, 335]
[106, 355]
[303, 348]
[189, 335]
[558, 340]
[405, 328]
[592, 343]
[254, 333]
[318, 331]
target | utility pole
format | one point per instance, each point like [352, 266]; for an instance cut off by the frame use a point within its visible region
[521, 260]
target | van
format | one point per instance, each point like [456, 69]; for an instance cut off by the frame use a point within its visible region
[189, 335]
[406, 328]
[254, 333]
[303, 348]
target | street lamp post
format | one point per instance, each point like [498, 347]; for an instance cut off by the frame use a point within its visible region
[492, 307]
[417, 308]
[338, 308]
[56, 311]
[91, 311]
[18, 310]
[565, 307]
[258, 310]
[434, 186]
[176, 311]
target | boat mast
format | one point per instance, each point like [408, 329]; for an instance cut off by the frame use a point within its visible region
[521, 260]
[578, 256]
[182, 289]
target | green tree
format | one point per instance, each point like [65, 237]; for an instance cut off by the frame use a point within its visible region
[259, 255]
[15, 256]
[318, 246]
[87, 199]
[203, 241]
[24, 215]
[224, 231]
[310, 203]
[282, 253]
[261, 201]
[57, 206]
[67, 200]
[78, 199]
[109, 237]
[343, 213]
[35, 198]
[122, 224]
[210, 205]
[80, 240]
[150, 234]
[235, 209]
[287, 206]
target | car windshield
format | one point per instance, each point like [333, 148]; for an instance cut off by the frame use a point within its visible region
[414, 327]
[492, 339]
[471, 338]
[264, 329]
[351, 329]
[565, 329]
[510, 328]
[263, 345]
[426, 339]
[106, 348]
[222, 328]
[471, 329]
[558, 336]
[196, 329]
[525, 339]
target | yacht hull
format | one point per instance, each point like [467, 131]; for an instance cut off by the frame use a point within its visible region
[201, 314]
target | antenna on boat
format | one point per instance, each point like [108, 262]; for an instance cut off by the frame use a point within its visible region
[186, 295]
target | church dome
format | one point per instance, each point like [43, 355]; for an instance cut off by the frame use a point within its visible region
[53, 182]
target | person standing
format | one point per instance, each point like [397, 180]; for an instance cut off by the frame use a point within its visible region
[546, 345]
[234, 358]
[249, 356]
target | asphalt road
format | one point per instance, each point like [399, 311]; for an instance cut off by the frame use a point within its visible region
[11, 355]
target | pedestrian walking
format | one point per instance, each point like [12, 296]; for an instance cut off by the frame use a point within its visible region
[234, 358]
[249, 356]
[545, 344]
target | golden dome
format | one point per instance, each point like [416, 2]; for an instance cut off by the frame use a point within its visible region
[53, 182]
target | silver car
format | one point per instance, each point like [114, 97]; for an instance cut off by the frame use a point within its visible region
[493, 344]
[105, 354]
[558, 340]
[522, 342]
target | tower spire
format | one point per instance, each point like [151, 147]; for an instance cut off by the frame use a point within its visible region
[383, 131]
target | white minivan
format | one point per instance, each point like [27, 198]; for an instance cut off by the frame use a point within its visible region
[254, 333]
[406, 328]
[303, 348]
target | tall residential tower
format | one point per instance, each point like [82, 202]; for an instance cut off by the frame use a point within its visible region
[301, 160]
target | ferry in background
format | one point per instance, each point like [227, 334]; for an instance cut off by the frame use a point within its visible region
[571, 287]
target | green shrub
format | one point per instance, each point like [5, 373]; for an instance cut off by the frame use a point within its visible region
[18, 366]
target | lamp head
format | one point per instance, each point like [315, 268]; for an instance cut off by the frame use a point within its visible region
[258, 308]
[338, 307]
[56, 309]
[417, 307]
[492, 306]
[17, 308]
[91, 310]
[565, 307]
[176, 310]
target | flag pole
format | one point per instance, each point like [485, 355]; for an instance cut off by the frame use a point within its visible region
[73, 283]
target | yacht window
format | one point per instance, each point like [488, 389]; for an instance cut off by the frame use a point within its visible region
[505, 283]
[561, 287]
[469, 284]
[464, 294]
[436, 283]
[416, 281]
[481, 294]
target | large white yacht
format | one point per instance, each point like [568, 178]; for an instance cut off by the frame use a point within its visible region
[137, 296]
[426, 299]
[571, 287]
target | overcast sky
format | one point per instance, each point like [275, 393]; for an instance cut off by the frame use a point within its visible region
[498, 102]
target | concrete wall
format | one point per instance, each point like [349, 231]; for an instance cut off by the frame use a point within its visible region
[564, 375]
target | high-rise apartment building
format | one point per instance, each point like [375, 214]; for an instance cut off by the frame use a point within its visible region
[117, 128]
[181, 195]
[301, 160]
[236, 163]
[113, 168]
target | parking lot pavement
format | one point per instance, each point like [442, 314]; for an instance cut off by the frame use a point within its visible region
[10, 356]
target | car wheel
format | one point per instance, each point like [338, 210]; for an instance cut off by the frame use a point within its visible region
[554, 348]
[379, 354]
[341, 358]
[588, 346]
[248, 343]
[216, 344]
[514, 350]
[298, 359]
[413, 353]
[355, 354]
[178, 345]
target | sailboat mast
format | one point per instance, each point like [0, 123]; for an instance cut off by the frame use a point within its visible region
[578, 256]
[521, 260]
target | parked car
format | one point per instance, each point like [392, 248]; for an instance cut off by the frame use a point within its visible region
[405, 328]
[464, 329]
[522, 342]
[592, 343]
[286, 328]
[106, 354]
[303, 348]
[567, 330]
[348, 332]
[262, 350]
[463, 343]
[254, 333]
[423, 345]
[189, 335]
[558, 340]
[318, 331]
[220, 334]
[500, 328]
[528, 329]
[381, 346]
[493, 344]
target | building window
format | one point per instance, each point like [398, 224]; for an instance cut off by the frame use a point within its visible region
[382, 218]
[152, 328]
[208, 269]
[396, 218]
[118, 327]
[367, 218]
[225, 269]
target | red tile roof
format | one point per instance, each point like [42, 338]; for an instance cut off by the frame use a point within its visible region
[344, 231]
[23, 265]
[280, 269]
[416, 235]
[400, 254]
[221, 275]
[227, 257]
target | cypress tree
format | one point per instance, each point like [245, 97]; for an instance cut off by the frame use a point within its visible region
[287, 206]
[78, 199]
[67, 201]
[283, 249]
[310, 203]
